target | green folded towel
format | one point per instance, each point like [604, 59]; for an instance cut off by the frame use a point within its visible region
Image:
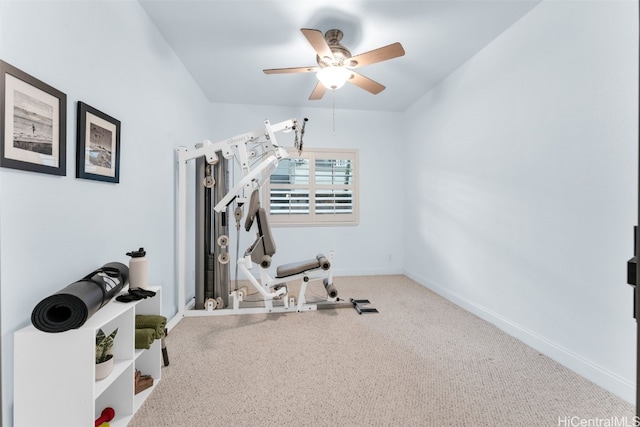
[155, 322]
[144, 338]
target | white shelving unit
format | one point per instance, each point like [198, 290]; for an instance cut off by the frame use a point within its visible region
[54, 373]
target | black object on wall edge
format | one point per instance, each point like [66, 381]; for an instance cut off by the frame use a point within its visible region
[636, 295]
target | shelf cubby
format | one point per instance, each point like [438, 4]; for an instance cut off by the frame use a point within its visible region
[54, 373]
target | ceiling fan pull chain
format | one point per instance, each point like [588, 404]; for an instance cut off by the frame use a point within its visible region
[333, 96]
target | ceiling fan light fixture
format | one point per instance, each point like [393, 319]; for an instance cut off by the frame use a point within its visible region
[336, 64]
[333, 77]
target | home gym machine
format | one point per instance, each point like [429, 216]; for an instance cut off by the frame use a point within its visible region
[217, 205]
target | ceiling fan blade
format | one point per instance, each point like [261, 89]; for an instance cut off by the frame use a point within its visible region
[366, 83]
[309, 69]
[318, 92]
[377, 55]
[319, 44]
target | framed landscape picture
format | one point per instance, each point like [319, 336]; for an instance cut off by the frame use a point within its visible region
[33, 117]
[98, 150]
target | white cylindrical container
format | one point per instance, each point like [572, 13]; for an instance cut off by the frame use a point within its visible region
[138, 269]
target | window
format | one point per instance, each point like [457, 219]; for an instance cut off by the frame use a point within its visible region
[318, 187]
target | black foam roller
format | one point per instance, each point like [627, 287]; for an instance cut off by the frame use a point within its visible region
[332, 292]
[323, 261]
[70, 307]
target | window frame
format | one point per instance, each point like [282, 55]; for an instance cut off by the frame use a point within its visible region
[312, 218]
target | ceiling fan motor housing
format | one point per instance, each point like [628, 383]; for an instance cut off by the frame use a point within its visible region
[340, 52]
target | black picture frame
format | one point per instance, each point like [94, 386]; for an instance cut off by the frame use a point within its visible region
[33, 123]
[98, 148]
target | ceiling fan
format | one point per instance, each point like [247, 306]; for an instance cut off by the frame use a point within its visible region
[335, 63]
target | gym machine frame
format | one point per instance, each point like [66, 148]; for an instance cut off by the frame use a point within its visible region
[261, 148]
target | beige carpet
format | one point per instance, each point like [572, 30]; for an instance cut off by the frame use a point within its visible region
[421, 361]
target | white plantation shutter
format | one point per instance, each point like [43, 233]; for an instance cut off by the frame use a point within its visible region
[289, 188]
[318, 187]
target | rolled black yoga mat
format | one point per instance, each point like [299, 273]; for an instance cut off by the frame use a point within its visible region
[71, 306]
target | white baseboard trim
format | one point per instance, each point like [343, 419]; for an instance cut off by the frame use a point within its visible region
[369, 272]
[599, 375]
[178, 316]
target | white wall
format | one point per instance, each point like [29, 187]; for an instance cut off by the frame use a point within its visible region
[374, 246]
[54, 230]
[521, 185]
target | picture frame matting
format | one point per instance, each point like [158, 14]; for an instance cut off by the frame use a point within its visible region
[33, 117]
[98, 147]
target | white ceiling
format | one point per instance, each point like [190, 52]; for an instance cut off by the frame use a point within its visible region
[225, 44]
